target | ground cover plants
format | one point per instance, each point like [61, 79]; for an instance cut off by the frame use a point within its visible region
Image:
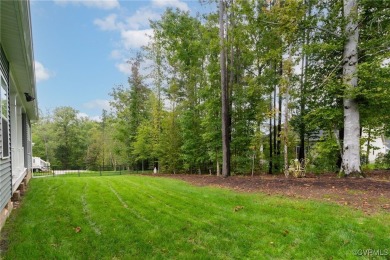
[139, 217]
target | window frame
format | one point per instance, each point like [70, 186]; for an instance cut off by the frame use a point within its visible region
[5, 124]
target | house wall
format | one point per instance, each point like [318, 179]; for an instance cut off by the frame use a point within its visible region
[17, 73]
[19, 171]
[5, 163]
[378, 146]
[26, 140]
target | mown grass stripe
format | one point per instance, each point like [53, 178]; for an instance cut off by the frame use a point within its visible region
[271, 226]
[87, 213]
[184, 222]
[152, 199]
[102, 196]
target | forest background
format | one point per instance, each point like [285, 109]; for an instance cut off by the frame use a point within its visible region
[285, 90]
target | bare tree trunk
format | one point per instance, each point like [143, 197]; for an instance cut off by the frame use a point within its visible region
[270, 169]
[275, 137]
[285, 134]
[303, 80]
[368, 145]
[218, 171]
[287, 74]
[253, 163]
[225, 95]
[280, 112]
[351, 147]
[302, 125]
[286, 173]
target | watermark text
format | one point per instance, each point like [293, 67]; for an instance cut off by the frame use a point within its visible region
[371, 252]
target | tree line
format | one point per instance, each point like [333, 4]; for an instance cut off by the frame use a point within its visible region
[295, 79]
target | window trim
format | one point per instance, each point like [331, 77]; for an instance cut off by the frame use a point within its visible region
[5, 139]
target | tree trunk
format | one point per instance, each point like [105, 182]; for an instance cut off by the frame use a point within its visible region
[339, 136]
[270, 167]
[286, 102]
[253, 163]
[351, 146]
[218, 171]
[368, 145]
[280, 111]
[275, 137]
[225, 96]
[303, 80]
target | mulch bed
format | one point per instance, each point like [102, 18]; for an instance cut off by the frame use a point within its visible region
[370, 194]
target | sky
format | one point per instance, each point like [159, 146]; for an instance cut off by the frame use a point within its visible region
[81, 47]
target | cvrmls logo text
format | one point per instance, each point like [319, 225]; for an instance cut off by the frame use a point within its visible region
[372, 252]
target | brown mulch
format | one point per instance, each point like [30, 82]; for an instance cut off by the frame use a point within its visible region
[370, 194]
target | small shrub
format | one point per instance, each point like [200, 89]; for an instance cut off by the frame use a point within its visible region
[382, 161]
[323, 156]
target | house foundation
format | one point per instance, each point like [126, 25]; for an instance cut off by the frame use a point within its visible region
[16, 197]
[5, 213]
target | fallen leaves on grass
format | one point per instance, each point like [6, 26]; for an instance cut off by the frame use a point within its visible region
[237, 208]
[361, 194]
[386, 206]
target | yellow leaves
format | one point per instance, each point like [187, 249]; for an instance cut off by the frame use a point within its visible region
[238, 208]
[287, 66]
[272, 113]
[77, 229]
[284, 85]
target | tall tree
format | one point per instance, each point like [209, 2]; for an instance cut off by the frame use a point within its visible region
[225, 95]
[71, 141]
[210, 93]
[351, 148]
[305, 37]
[43, 138]
[130, 106]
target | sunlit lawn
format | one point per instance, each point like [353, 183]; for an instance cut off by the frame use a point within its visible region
[139, 217]
[84, 173]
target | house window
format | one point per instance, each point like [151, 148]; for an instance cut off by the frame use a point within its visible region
[4, 118]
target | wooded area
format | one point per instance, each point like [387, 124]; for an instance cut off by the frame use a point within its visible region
[303, 79]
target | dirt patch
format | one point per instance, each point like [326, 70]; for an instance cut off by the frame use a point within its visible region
[371, 194]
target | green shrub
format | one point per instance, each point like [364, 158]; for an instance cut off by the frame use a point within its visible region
[382, 161]
[324, 155]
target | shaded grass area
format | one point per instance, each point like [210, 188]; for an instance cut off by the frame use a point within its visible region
[138, 217]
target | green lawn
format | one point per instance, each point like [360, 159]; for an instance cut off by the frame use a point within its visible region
[139, 217]
[85, 173]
